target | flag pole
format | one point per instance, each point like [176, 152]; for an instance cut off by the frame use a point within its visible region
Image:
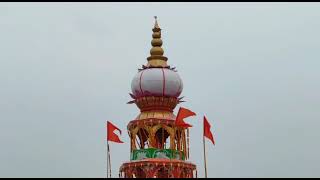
[109, 160]
[205, 158]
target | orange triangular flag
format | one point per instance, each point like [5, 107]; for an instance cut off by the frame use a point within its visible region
[206, 130]
[111, 136]
[183, 113]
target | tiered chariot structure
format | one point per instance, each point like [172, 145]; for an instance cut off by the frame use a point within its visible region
[158, 148]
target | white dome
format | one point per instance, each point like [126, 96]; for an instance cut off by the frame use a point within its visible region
[157, 82]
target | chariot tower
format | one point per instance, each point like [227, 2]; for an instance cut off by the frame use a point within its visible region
[158, 148]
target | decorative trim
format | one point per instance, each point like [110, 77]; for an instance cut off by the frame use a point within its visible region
[149, 103]
[150, 168]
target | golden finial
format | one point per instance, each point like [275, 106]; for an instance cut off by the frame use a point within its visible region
[156, 59]
[156, 23]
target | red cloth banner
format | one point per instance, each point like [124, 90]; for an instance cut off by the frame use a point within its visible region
[111, 136]
[206, 130]
[182, 114]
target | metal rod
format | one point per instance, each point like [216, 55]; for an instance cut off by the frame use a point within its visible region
[205, 158]
[109, 161]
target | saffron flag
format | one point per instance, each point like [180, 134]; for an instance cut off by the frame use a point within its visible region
[206, 130]
[183, 113]
[111, 136]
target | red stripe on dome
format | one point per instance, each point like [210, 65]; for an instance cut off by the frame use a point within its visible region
[140, 82]
[163, 82]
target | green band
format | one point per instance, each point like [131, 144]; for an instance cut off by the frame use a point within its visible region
[139, 154]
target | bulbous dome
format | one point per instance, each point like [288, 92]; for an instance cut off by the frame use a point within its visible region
[157, 82]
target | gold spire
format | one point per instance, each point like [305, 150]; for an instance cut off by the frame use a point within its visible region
[156, 22]
[156, 59]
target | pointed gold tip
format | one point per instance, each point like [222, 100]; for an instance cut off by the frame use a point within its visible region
[156, 25]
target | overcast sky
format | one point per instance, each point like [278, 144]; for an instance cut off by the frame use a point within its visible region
[252, 68]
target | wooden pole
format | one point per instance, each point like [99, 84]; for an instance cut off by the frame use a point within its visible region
[205, 158]
[176, 131]
[184, 144]
[140, 139]
[129, 134]
[179, 142]
[144, 132]
[188, 142]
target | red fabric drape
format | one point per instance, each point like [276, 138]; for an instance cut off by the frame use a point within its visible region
[183, 113]
[111, 136]
[206, 130]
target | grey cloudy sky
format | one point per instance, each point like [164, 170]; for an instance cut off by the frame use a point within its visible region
[251, 68]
